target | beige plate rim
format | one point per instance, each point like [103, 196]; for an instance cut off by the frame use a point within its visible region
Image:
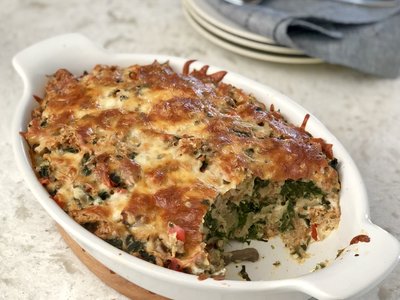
[220, 21]
[260, 55]
[237, 39]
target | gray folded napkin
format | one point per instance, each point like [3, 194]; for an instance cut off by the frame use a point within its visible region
[360, 37]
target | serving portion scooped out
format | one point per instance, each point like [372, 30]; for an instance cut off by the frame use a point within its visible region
[169, 166]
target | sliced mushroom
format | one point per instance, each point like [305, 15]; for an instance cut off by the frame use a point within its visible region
[248, 254]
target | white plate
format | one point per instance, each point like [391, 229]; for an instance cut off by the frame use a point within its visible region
[248, 52]
[237, 39]
[214, 17]
[344, 277]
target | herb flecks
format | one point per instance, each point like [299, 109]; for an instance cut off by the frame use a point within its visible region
[319, 266]
[276, 263]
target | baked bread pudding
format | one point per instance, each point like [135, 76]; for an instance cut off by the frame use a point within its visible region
[171, 166]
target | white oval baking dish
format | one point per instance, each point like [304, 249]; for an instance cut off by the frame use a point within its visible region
[345, 276]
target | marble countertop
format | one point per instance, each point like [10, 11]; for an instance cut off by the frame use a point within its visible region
[362, 111]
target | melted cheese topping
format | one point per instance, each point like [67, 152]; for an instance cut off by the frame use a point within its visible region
[132, 152]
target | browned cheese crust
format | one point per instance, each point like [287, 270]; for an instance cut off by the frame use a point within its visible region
[138, 155]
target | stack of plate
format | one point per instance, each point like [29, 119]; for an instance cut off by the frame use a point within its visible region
[225, 33]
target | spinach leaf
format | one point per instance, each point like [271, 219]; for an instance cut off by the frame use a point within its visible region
[147, 257]
[286, 221]
[116, 242]
[85, 158]
[70, 149]
[212, 225]
[133, 245]
[259, 183]
[44, 172]
[243, 210]
[291, 191]
[115, 178]
[86, 171]
[299, 189]
[103, 195]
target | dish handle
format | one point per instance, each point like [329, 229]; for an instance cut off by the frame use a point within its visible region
[370, 263]
[44, 58]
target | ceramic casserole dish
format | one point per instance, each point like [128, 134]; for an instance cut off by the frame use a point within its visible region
[358, 268]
